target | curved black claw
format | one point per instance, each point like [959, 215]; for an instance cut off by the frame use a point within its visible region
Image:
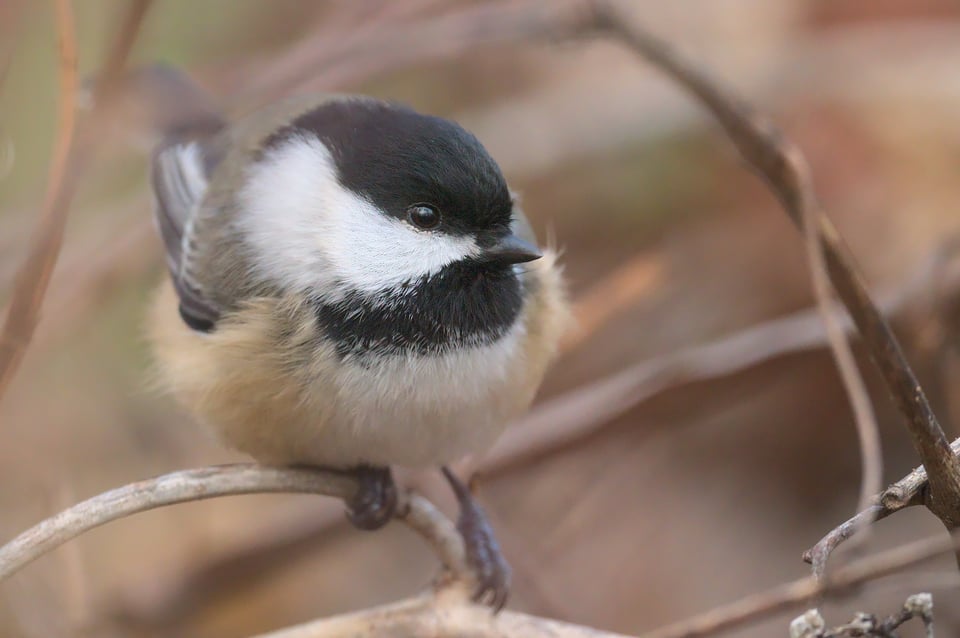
[375, 502]
[483, 552]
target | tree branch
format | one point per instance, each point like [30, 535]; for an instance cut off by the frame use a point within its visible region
[211, 482]
[781, 165]
[70, 153]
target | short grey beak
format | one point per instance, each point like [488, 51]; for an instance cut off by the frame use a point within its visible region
[511, 250]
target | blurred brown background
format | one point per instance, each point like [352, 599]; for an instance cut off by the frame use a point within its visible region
[705, 492]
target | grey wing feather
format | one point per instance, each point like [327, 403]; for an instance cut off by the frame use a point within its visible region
[179, 176]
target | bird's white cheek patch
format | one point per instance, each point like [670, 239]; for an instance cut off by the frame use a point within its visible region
[310, 232]
[372, 251]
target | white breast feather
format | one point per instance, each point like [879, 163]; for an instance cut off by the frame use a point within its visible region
[418, 410]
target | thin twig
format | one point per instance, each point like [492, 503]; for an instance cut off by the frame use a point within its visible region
[818, 555]
[797, 594]
[70, 151]
[385, 46]
[871, 455]
[120, 50]
[918, 605]
[906, 492]
[812, 625]
[33, 276]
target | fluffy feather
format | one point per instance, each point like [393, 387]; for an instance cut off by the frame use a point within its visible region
[268, 387]
[179, 184]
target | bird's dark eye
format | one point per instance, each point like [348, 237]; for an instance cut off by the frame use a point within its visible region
[423, 216]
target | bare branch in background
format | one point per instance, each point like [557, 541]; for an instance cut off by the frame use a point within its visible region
[781, 164]
[32, 278]
[811, 217]
[70, 152]
[120, 49]
[563, 420]
[906, 492]
[384, 46]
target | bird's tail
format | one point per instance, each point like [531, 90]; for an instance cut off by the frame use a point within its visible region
[157, 104]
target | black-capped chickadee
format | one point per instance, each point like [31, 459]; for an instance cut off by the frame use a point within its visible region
[354, 287]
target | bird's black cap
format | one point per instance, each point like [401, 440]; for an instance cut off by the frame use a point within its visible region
[396, 157]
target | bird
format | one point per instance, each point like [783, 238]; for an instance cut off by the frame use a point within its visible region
[353, 286]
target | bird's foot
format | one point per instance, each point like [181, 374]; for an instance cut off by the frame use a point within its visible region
[483, 552]
[375, 502]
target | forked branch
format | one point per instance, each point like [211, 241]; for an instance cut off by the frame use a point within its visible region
[908, 491]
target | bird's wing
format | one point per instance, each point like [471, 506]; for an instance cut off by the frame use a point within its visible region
[179, 175]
